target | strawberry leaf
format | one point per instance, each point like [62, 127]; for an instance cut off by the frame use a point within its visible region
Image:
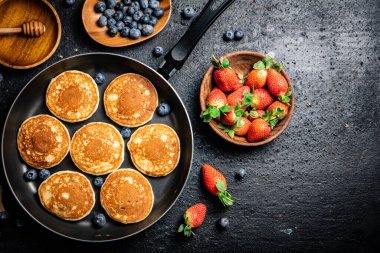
[225, 63]
[214, 112]
[289, 92]
[181, 228]
[284, 99]
[254, 114]
[238, 111]
[207, 118]
[220, 186]
[231, 133]
[273, 123]
[225, 108]
[259, 65]
[247, 99]
[205, 112]
[223, 127]
[277, 66]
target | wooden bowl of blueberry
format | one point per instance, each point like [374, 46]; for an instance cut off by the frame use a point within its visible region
[119, 23]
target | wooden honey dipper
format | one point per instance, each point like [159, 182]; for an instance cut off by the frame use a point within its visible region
[30, 29]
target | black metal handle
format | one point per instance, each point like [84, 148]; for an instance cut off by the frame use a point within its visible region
[177, 56]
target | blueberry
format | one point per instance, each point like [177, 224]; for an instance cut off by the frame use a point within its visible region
[30, 175]
[119, 6]
[100, 7]
[239, 35]
[109, 13]
[132, 25]
[127, 2]
[148, 11]
[99, 220]
[147, 30]
[111, 22]
[137, 16]
[124, 32]
[131, 10]
[154, 4]
[69, 2]
[158, 12]
[102, 21]
[44, 174]
[134, 33]
[241, 174]
[145, 19]
[99, 78]
[127, 20]
[163, 109]
[126, 132]
[118, 15]
[98, 181]
[120, 25]
[224, 223]
[4, 215]
[112, 31]
[111, 4]
[136, 5]
[188, 13]
[1, 77]
[229, 35]
[144, 4]
[153, 21]
[139, 26]
[158, 51]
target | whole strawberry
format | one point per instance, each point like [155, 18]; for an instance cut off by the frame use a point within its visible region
[278, 86]
[216, 184]
[237, 96]
[258, 130]
[225, 77]
[254, 114]
[257, 78]
[194, 217]
[280, 109]
[228, 118]
[216, 103]
[261, 99]
[242, 126]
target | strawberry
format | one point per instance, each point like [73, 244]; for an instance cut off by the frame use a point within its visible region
[262, 99]
[194, 217]
[257, 78]
[277, 85]
[280, 109]
[225, 77]
[243, 127]
[217, 103]
[216, 184]
[254, 114]
[237, 96]
[228, 118]
[258, 130]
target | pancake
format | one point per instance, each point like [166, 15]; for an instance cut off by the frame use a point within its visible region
[127, 196]
[155, 149]
[68, 195]
[43, 141]
[130, 100]
[97, 148]
[72, 96]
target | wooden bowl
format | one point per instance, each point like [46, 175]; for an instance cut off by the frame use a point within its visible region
[99, 34]
[242, 62]
[19, 51]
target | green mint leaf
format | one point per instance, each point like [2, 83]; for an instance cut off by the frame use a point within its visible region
[259, 65]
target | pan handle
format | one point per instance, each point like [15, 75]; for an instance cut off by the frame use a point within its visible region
[177, 56]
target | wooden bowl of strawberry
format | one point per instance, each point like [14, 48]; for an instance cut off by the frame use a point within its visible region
[246, 97]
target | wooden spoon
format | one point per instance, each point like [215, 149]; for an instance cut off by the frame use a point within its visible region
[30, 29]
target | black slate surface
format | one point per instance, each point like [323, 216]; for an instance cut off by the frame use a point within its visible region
[315, 188]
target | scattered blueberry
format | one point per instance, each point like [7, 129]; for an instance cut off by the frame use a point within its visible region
[127, 20]
[111, 22]
[109, 13]
[112, 31]
[44, 174]
[4, 216]
[224, 223]
[131, 10]
[126, 132]
[154, 4]
[102, 21]
[120, 25]
[119, 6]
[158, 12]
[125, 32]
[137, 16]
[30, 175]
[1, 77]
[241, 173]
[132, 25]
[111, 4]
[134, 33]
[239, 35]
[158, 51]
[153, 21]
[69, 2]
[147, 30]
[118, 15]
[145, 19]
[98, 181]
[148, 11]
[99, 220]
[144, 4]
[229, 35]
[163, 109]
[99, 78]
[100, 7]
[188, 13]
[136, 5]
[127, 2]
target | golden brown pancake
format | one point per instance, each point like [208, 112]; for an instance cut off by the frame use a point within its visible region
[43, 141]
[130, 100]
[155, 149]
[97, 148]
[127, 196]
[72, 96]
[68, 195]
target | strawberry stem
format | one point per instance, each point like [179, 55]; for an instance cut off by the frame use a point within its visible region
[223, 195]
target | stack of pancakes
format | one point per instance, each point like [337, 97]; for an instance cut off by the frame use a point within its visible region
[97, 148]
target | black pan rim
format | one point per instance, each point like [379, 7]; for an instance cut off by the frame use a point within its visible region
[73, 238]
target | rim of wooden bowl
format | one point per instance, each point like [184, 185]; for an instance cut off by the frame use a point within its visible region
[57, 19]
[124, 42]
[241, 141]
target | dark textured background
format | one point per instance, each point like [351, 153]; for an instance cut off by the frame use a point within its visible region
[315, 188]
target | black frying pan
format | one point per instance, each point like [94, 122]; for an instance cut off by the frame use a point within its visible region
[31, 101]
